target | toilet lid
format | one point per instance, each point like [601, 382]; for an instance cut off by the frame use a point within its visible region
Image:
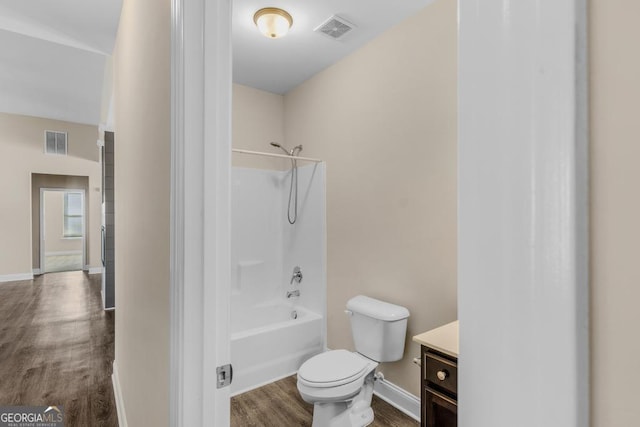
[332, 368]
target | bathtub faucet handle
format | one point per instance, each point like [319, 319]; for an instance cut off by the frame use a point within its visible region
[295, 293]
[297, 275]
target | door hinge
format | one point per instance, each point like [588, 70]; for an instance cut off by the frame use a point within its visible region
[225, 375]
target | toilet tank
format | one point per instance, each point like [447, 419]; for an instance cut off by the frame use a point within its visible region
[378, 328]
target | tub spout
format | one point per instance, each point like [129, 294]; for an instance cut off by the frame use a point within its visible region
[295, 293]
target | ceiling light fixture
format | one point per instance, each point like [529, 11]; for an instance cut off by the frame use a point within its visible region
[273, 22]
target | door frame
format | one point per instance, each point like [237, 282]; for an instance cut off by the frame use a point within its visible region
[84, 224]
[200, 210]
[523, 261]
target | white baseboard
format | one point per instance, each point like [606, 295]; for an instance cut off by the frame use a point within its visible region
[36, 271]
[117, 392]
[398, 398]
[16, 277]
[92, 270]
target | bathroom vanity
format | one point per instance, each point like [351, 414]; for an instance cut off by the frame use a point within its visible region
[439, 376]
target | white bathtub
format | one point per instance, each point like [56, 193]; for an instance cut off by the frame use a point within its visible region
[268, 344]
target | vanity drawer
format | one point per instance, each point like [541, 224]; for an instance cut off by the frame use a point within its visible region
[441, 372]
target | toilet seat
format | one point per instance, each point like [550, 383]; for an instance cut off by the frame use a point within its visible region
[332, 369]
[333, 376]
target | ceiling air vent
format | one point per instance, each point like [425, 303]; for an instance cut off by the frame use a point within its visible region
[55, 142]
[335, 27]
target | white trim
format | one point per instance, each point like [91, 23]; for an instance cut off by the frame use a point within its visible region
[93, 270]
[522, 213]
[398, 397]
[200, 204]
[117, 393]
[16, 277]
[36, 271]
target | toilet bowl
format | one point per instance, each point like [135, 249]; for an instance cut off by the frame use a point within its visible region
[339, 383]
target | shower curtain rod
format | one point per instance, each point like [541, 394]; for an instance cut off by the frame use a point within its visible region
[282, 156]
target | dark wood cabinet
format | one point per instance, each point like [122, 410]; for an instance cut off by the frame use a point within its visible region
[439, 389]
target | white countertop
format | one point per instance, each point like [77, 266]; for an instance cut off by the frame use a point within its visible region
[443, 339]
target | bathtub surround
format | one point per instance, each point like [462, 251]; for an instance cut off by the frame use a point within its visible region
[21, 155]
[271, 333]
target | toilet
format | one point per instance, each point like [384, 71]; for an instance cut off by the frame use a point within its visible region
[339, 383]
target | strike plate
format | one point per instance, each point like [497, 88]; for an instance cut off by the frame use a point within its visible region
[225, 375]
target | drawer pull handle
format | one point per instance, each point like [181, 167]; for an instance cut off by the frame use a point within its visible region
[442, 375]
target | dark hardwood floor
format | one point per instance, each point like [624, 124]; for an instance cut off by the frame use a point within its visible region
[56, 347]
[279, 405]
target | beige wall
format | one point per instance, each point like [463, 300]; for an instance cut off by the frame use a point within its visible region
[615, 211]
[384, 119]
[54, 240]
[142, 182]
[21, 154]
[258, 119]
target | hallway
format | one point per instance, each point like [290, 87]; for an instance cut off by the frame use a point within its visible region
[57, 347]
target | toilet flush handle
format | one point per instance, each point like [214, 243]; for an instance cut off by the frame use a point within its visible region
[348, 312]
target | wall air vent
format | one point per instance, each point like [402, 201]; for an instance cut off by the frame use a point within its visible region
[55, 142]
[335, 28]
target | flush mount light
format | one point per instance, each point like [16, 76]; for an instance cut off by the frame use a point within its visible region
[273, 22]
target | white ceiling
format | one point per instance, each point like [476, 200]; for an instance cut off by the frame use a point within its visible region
[53, 55]
[279, 65]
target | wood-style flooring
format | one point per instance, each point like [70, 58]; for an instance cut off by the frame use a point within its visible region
[56, 347]
[279, 405]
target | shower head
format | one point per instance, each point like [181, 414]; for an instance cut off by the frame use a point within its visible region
[275, 144]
